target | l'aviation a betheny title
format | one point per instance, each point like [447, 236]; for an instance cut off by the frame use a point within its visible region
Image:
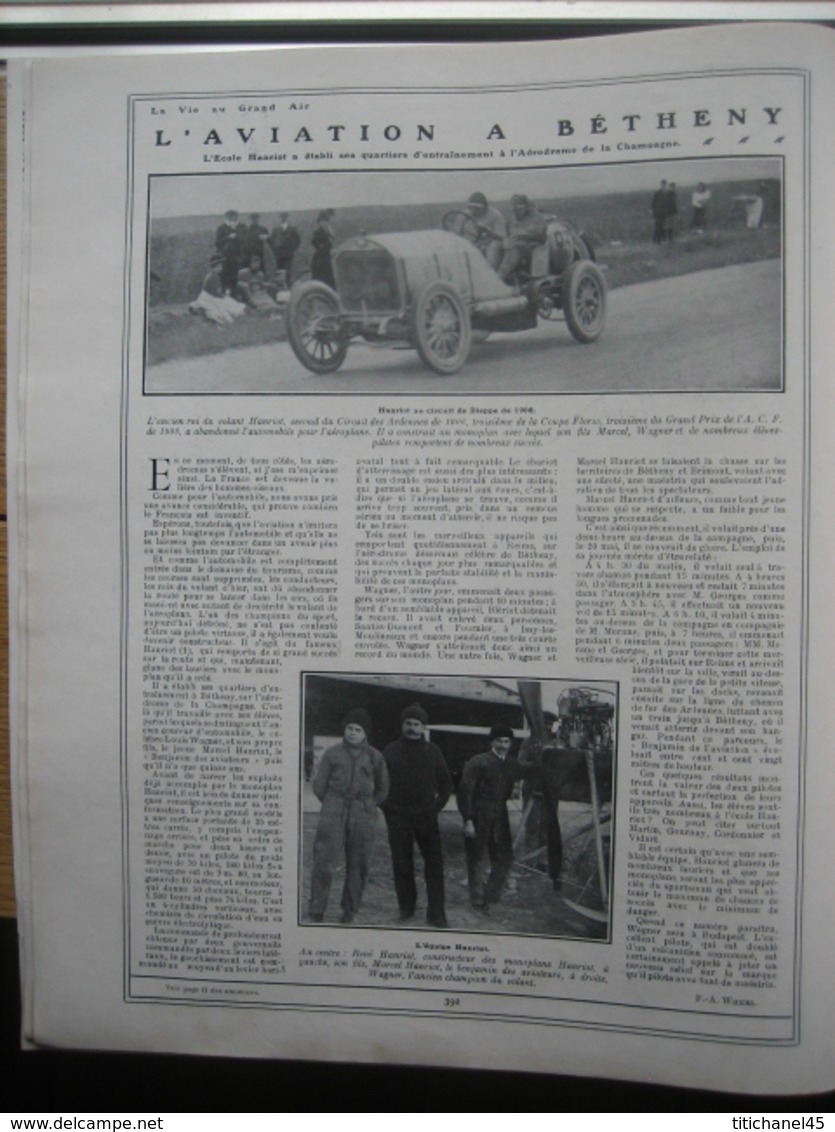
[231, 140]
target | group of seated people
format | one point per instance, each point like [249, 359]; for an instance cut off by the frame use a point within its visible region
[253, 293]
[248, 271]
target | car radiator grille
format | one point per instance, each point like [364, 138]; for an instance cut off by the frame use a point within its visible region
[367, 281]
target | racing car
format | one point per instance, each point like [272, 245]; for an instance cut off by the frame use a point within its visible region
[435, 290]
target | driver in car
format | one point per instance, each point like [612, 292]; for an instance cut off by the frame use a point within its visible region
[491, 228]
[526, 229]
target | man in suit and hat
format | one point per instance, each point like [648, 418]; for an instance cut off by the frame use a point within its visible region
[420, 787]
[351, 782]
[483, 793]
[285, 242]
[229, 239]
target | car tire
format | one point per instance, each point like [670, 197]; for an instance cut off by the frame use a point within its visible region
[584, 300]
[441, 328]
[314, 327]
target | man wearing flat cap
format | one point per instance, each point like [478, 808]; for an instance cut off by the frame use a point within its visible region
[485, 787]
[350, 782]
[526, 228]
[420, 787]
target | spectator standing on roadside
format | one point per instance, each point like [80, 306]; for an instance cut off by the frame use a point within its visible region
[699, 200]
[754, 205]
[658, 208]
[228, 244]
[285, 241]
[671, 216]
[323, 238]
[254, 237]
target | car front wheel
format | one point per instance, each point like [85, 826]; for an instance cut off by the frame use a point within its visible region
[441, 328]
[314, 327]
[584, 300]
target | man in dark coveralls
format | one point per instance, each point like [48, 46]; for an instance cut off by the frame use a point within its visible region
[350, 782]
[483, 793]
[419, 787]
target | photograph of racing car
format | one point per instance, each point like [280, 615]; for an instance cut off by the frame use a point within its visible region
[631, 277]
[434, 289]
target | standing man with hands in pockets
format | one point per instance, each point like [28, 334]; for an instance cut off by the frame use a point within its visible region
[420, 785]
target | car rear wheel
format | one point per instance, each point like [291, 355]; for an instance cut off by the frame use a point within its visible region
[441, 328]
[314, 327]
[584, 300]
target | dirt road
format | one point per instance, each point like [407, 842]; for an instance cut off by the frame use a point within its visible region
[528, 906]
[710, 330]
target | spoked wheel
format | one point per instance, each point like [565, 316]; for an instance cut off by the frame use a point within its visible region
[584, 300]
[314, 327]
[441, 328]
[462, 224]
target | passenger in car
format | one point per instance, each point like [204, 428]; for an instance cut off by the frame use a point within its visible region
[526, 229]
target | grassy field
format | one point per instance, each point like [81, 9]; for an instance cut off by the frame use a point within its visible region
[619, 225]
[175, 333]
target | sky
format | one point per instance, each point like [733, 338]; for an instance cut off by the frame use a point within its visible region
[211, 194]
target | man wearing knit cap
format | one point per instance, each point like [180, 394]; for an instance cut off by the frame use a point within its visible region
[420, 787]
[486, 785]
[350, 782]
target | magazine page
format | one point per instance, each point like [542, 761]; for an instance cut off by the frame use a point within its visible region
[420, 492]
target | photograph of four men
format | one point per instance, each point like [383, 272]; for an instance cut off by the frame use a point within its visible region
[458, 802]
